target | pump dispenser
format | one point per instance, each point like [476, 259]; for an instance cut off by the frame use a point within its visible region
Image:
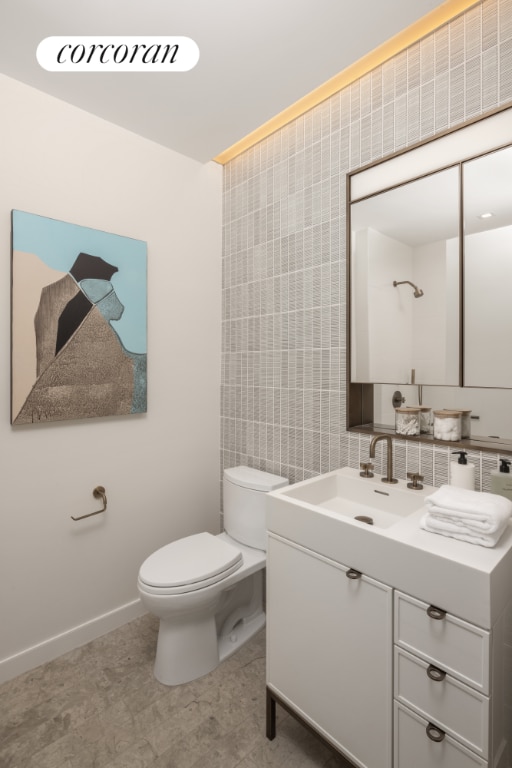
[501, 479]
[462, 474]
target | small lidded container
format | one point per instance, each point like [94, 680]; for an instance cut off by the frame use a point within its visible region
[447, 425]
[407, 421]
[425, 418]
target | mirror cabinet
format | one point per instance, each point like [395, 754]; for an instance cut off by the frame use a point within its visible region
[430, 282]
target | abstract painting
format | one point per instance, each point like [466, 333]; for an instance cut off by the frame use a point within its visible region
[78, 322]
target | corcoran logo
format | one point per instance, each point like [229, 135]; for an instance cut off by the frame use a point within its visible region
[117, 54]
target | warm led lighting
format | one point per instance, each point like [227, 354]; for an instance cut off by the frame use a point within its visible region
[486, 215]
[421, 28]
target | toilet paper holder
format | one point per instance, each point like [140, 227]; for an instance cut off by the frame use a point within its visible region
[98, 493]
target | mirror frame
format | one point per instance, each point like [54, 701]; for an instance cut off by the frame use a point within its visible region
[475, 137]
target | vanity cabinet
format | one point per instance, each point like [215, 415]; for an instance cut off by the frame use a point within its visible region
[443, 690]
[389, 680]
[329, 647]
[413, 749]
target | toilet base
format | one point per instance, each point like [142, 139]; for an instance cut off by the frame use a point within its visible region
[192, 643]
[240, 634]
[185, 651]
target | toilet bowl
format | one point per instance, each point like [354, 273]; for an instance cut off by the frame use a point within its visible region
[207, 590]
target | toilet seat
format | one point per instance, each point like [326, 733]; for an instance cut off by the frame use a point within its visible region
[189, 564]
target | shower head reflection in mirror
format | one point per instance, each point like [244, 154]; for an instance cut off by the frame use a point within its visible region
[417, 291]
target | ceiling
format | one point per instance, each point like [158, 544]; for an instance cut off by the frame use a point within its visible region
[256, 59]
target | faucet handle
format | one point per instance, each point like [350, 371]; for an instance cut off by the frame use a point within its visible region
[367, 467]
[416, 479]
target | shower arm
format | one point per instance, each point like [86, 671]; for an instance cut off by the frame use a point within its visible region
[417, 291]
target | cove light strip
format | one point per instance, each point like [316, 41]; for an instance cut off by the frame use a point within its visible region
[446, 12]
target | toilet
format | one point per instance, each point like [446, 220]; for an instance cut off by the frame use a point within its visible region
[207, 590]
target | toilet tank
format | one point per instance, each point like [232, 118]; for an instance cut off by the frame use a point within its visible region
[244, 490]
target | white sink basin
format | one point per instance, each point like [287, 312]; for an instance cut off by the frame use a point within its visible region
[368, 501]
[320, 515]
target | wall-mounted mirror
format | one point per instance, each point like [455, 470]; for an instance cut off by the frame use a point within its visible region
[424, 307]
[405, 283]
[487, 184]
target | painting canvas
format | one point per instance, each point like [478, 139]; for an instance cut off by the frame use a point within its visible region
[78, 333]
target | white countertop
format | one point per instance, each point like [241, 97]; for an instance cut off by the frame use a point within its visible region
[468, 580]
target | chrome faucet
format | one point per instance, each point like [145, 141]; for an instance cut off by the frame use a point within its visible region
[389, 477]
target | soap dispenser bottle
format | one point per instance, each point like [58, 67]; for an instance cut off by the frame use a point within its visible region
[462, 474]
[501, 479]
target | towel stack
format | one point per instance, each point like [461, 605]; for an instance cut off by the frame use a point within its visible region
[479, 518]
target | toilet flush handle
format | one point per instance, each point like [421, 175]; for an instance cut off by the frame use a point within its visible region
[98, 493]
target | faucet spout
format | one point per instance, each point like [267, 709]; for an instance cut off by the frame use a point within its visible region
[389, 474]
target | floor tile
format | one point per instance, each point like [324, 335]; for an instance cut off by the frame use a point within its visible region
[99, 706]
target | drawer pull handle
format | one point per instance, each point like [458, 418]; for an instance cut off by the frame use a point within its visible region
[353, 574]
[435, 613]
[434, 733]
[436, 674]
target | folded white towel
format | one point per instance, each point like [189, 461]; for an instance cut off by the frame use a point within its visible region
[479, 512]
[456, 530]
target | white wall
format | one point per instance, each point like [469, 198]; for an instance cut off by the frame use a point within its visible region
[390, 320]
[396, 333]
[488, 308]
[63, 582]
[435, 355]
[386, 328]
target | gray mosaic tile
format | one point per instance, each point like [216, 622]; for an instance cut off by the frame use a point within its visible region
[284, 246]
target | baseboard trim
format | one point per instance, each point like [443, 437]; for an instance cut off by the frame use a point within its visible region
[55, 646]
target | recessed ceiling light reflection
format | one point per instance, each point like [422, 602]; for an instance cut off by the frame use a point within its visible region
[487, 215]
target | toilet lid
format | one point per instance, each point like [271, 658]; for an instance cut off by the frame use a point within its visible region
[190, 563]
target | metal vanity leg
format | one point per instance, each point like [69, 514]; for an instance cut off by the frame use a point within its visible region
[271, 716]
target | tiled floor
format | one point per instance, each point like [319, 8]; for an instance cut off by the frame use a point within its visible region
[100, 707]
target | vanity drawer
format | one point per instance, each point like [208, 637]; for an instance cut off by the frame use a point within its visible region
[457, 647]
[414, 747]
[441, 698]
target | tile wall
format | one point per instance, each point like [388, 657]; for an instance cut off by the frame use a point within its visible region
[284, 254]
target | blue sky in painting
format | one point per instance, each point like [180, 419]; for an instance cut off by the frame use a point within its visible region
[58, 243]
